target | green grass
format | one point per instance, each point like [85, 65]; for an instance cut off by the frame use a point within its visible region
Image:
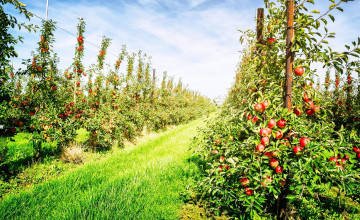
[144, 182]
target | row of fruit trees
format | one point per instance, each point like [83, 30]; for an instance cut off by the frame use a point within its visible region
[53, 105]
[264, 158]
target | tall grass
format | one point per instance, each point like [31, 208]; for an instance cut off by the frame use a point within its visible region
[142, 183]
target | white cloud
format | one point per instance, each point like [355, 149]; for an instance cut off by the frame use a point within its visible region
[198, 44]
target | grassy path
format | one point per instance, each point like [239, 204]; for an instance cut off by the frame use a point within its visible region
[139, 183]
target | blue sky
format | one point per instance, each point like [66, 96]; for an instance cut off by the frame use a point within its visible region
[196, 40]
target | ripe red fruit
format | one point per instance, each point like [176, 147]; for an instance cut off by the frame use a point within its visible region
[265, 104]
[217, 142]
[260, 148]
[297, 111]
[221, 168]
[244, 181]
[222, 159]
[269, 131]
[310, 103]
[272, 123]
[358, 155]
[90, 91]
[304, 141]
[265, 140]
[83, 100]
[68, 76]
[258, 107]
[248, 191]
[271, 41]
[297, 149]
[281, 123]
[356, 149]
[227, 167]
[332, 159]
[249, 117]
[31, 113]
[299, 71]
[215, 151]
[268, 154]
[71, 103]
[78, 83]
[80, 48]
[275, 153]
[316, 108]
[306, 98]
[266, 181]
[310, 111]
[274, 163]
[255, 119]
[346, 157]
[264, 132]
[279, 170]
[278, 135]
[53, 88]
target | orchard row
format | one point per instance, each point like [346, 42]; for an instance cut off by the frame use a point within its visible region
[261, 158]
[112, 106]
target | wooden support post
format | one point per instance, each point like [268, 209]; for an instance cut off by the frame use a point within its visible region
[153, 85]
[289, 53]
[259, 25]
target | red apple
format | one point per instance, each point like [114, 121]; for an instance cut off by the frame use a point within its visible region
[221, 168]
[215, 151]
[304, 141]
[310, 103]
[90, 91]
[281, 123]
[332, 159]
[269, 131]
[356, 149]
[78, 83]
[299, 71]
[255, 119]
[272, 123]
[265, 104]
[271, 41]
[264, 132]
[222, 159]
[274, 163]
[227, 167]
[275, 153]
[248, 191]
[279, 170]
[83, 100]
[244, 181]
[306, 98]
[265, 140]
[268, 154]
[259, 108]
[278, 135]
[297, 149]
[68, 76]
[310, 111]
[297, 111]
[249, 117]
[260, 148]
[217, 142]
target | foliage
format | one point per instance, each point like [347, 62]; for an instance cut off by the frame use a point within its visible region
[258, 158]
